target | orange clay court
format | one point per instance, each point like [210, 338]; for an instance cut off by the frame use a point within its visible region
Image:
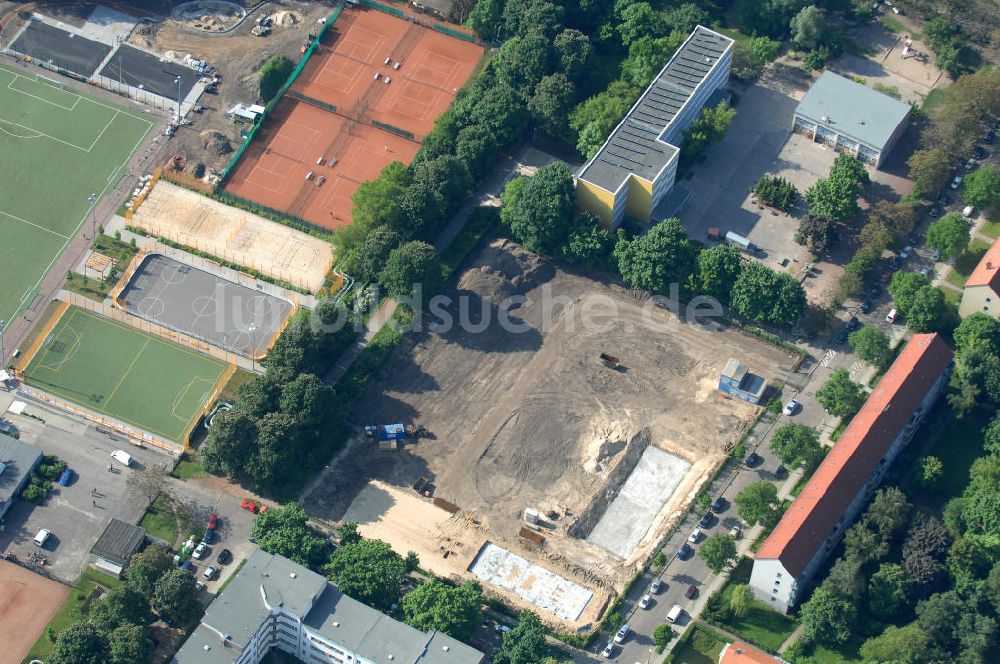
[352, 146]
[27, 603]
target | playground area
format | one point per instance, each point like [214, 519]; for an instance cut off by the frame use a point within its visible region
[123, 373]
[204, 306]
[367, 96]
[58, 148]
[237, 236]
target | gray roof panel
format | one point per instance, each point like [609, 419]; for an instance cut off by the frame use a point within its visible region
[634, 146]
[852, 109]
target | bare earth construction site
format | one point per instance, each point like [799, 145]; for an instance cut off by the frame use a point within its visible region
[534, 420]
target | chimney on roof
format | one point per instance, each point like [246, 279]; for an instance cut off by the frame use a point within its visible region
[989, 265]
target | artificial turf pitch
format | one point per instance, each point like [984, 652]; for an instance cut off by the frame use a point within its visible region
[57, 148]
[125, 374]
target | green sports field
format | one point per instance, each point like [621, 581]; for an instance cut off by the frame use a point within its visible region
[56, 148]
[120, 372]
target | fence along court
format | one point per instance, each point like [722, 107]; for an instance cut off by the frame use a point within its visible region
[237, 236]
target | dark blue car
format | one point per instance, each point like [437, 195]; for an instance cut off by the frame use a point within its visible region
[685, 551]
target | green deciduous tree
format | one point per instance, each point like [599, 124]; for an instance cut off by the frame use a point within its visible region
[146, 567]
[120, 606]
[977, 332]
[887, 591]
[899, 645]
[273, 75]
[930, 169]
[552, 101]
[372, 255]
[176, 599]
[904, 288]
[522, 61]
[646, 57]
[369, 571]
[640, 19]
[525, 643]
[718, 268]
[982, 187]
[284, 531]
[686, 17]
[758, 502]
[594, 118]
[949, 235]
[991, 437]
[541, 216]
[929, 472]
[775, 191]
[794, 443]
[81, 643]
[375, 204]
[654, 261]
[438, 606]
[815, 232]
[765, 295]
[872, 345]
[718, 551]
[808, 27]
[968, 559]
[484, 19]
[411, 264]
[710, 127]
[769, 17]
[589, 243]
[740, 600]
[662, 634]
[939, 617]
[572, 50]
[839, 395]
[129, 644]
[928, 311]
[827, 618]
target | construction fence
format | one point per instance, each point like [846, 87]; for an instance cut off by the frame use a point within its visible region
[433, 25]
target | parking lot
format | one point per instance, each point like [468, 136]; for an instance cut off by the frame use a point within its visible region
[74, 524]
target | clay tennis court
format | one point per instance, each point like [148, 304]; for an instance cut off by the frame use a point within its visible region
[27, 603]
[350, 113]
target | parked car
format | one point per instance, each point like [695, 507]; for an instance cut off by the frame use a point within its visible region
[705, 521]
[675, 613]
[753, 460]
[188, 566]
[780, 472]
[736, 532]
[685, 551]
[956, 182]
[891, 316]
[791, 407]
[970, 164]
[199, 551]
[66, 477]
[926, 271]
[979, 152]
[904, 253]
[41, 537]
[252, 507]
[853, 324]
[875, 290]
[210, 572]
[199, 586]
[968, 211]
[944, 198]
[225, 556]
[936, 256]
[989, 137]
[886, 276]
[841, 337]
[608, 650]
[719, 505]
[865, 307]
[935, 211]
[655, 587]
[622, 634]
[501, 628]
[645, 601]
[691, 592]
[122, 457]
[695, 536]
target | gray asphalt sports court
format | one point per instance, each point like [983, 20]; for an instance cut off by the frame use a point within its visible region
[64, 49]
[149, 72]
[202, 305]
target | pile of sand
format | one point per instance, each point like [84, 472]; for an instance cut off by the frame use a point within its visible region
[505, 269]
[285, 18]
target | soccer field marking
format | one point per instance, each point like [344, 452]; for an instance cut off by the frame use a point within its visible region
[68, 354]
[10, 86]
[183, 392]
[41, 228]
[126, 373]
[13, 135]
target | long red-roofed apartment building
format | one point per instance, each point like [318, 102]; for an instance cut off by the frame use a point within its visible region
[850, 473]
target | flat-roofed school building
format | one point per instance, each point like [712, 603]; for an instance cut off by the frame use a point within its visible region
[852, 118]
[637, 165]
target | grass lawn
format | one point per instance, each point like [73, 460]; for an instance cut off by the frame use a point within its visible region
[230, 391]
[81, 145]
[188, 467]
[951, 296]
[845, 654]
[762, 625]
[934, 100]
[967, 262]
[734, 34]
[160, 521]
[126, 374]
[990, 229]
[893, 24]
[481, 220]
[959, 444]
[700, 646]
[72, 610]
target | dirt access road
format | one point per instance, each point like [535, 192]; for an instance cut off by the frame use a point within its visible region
[532, 419]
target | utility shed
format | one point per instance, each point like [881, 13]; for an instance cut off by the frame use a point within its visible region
[852, 118]
[17, 460]
[117, 544]
[737, 381]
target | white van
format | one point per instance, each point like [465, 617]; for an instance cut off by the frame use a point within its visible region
[675, 613]
[891, 316]
[122, 457]
[42, 537]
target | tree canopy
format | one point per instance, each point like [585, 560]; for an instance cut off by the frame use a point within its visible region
[982, 187]
[411, 265]
[827, 618]
[765, 295]
[654, 261]
[794, 443]
[840, 396]
[284, 531]
[949, 235]
[718, 551]
[525, 643]
[436, 605]
[540, 216]
[718, 269]
[273, 75]
[872, 345]
[758, 503]
[176, 599]
[369, 571]
[80, 643]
